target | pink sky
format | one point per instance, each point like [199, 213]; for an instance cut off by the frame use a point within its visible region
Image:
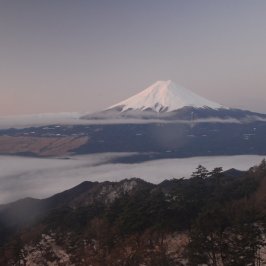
[86, 55]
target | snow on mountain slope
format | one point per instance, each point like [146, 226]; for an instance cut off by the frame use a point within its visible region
[165, 96]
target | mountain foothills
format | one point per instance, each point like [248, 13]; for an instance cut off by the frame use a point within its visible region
[213, 218]
[163, 121]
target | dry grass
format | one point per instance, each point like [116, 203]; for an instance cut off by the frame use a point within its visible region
[42, 146]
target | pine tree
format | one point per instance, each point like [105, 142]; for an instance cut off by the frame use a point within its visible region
[201, 173]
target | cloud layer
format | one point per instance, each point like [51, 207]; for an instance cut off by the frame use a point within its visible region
[35, 177]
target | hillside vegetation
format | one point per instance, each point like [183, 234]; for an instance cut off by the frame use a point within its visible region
[213, 218]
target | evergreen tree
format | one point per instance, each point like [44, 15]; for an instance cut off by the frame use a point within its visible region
[201, 173]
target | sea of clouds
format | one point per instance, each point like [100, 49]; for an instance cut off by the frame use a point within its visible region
[42, 177]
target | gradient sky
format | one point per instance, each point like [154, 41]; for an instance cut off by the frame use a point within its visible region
[84, 55]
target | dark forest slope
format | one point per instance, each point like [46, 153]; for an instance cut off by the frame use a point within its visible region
[214, 218]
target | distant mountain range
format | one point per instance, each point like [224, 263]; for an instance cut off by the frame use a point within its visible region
[165, 100]
[163, 121]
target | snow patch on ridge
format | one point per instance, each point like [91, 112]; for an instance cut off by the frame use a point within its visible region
[165, 96]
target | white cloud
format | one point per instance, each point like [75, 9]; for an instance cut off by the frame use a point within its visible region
[36, 177]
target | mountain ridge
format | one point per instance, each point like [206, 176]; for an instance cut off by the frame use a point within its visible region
[162, 224]
[164, 100]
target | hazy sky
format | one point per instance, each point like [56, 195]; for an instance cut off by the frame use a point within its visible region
[84, 55]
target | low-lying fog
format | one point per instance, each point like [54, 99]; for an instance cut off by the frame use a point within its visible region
[23, 121]
[35, 177]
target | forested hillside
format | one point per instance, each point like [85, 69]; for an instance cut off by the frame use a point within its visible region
[213, 218]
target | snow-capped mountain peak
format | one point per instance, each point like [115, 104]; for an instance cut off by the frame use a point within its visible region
[165, 96]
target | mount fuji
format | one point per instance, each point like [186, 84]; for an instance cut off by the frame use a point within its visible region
[165, 96]
[163, 121]
[164, 100]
